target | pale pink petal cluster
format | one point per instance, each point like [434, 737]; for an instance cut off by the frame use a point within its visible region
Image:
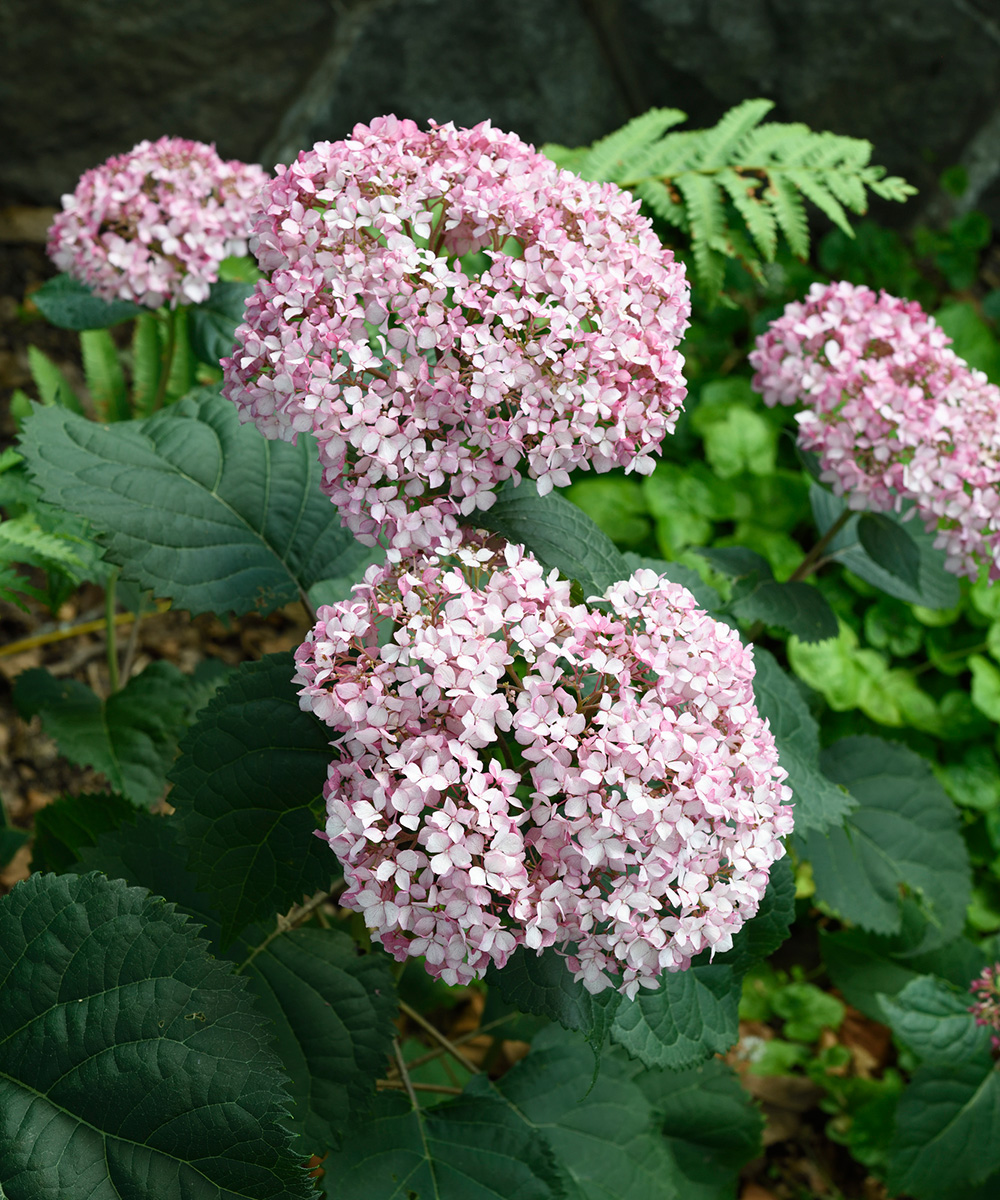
[519, 770]
[986, 1007]
[896, 417]
[445, 309]
[153, 225]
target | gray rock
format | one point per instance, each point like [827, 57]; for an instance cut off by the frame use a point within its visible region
[86, 78]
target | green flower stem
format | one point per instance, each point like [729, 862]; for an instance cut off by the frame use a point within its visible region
[812, 560]
[166, 358]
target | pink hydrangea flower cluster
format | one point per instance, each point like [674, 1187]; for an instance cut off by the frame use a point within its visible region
[986, 1008]
[516, 769]
[445, 309]
[153, 225]
[894, 414]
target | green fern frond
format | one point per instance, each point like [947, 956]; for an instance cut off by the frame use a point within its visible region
[707, 225]
[23, 540]
[891, 187]
[790, 213]
[756, 214]
[849, 189]
[569, 158]
[763, 144]
[14, 587]
[734, 188]
[720, 143]
[812, 186]
[606, 158]
[663, 202]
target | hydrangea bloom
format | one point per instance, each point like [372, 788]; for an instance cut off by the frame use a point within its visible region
[153, 225]
[894, 414]
[445, 308]
[516, 769]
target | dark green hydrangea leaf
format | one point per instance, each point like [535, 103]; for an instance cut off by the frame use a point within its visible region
[946, 1131]
[132, 1062]
[131, 737]
[932, 1018]
[888, 544]
[471, 1148]
[212, 324]
[603, 1134]
[331, 1008]
[63, 830]
[542, 984]
[904, 834]
[195, 506]
[819, 802]
[691, 1016]
[757, 596]
[70, 304]
[248, 778]
[866, 967]
[937, 588]
[765, 932]
[558, 534]
[711, 1125]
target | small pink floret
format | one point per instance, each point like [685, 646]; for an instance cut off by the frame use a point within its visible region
[153, 225]
[519, 770]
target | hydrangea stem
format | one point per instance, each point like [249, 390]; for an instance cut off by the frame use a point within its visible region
[447, 1045]
[813, 559]
[166, 359]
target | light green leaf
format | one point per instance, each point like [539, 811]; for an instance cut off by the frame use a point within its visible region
[53, 386]
[985, 686]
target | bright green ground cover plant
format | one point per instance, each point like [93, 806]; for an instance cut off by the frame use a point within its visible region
[184, 1011]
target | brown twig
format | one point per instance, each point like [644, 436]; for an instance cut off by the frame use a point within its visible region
[448, 1045]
